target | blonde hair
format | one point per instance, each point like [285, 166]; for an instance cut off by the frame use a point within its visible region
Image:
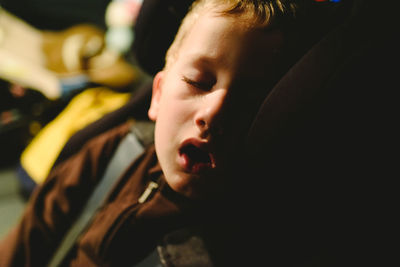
[257, 13]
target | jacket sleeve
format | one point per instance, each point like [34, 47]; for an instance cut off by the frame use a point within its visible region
[56, 203]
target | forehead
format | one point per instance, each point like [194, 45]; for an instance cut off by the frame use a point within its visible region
[230, 43]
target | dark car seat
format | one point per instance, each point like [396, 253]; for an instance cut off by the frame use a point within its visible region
[320, 154]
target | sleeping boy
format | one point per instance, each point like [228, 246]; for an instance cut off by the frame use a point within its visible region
[223, 61]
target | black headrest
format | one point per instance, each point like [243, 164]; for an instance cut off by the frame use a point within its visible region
[156, 26]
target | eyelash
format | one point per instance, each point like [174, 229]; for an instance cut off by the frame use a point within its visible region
[199, 85]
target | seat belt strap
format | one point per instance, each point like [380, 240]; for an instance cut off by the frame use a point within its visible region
[129, 149]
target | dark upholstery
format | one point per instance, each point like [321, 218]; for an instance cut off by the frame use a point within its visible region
[59, 14]
[156, 26]
[321, 151]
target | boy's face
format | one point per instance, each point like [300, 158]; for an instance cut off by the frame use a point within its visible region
[204, 102]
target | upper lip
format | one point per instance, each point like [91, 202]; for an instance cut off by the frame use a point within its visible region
[203, 145]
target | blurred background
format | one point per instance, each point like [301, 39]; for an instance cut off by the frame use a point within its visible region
[63, 64]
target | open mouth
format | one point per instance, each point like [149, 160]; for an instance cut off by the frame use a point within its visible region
[195, 156]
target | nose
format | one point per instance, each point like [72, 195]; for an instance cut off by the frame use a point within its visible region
[208, 117]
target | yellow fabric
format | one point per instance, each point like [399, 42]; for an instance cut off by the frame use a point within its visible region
[84, 108]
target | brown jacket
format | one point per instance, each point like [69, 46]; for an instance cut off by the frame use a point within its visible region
[122, 233]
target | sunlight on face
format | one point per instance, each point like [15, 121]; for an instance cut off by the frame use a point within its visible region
[203, 102]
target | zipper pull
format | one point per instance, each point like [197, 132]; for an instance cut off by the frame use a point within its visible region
[150, 187]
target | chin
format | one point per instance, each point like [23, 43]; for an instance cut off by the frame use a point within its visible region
[183, 185]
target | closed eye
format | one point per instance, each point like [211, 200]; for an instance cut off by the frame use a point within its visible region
[204, 86]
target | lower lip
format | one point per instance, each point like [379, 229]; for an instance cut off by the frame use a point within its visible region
[187, 166]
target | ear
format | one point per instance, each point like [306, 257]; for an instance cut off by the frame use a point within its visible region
[156, 96]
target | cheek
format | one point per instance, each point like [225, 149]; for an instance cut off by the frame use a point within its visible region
[170, 119]
[170, 113]
[176, 109]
